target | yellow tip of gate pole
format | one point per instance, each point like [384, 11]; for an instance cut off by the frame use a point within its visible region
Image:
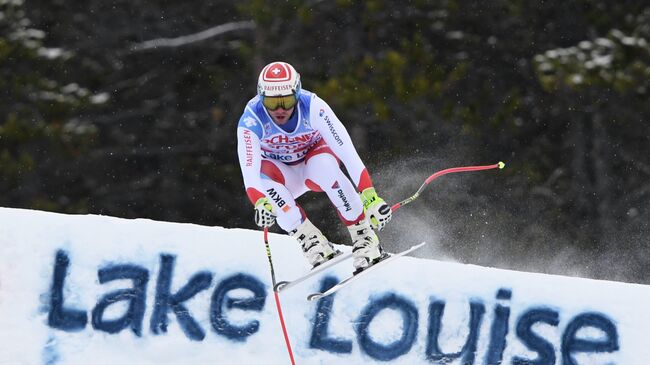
[501, 165]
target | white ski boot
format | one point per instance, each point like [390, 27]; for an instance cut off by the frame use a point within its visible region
[366, 249]
[316, 248]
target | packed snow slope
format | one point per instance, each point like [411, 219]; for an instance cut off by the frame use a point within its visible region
[103, 290]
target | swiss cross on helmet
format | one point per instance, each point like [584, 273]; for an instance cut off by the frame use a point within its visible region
[278, 79]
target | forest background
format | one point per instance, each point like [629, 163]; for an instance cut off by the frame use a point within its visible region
[129, 108]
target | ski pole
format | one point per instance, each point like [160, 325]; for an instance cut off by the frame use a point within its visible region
[277, 297]
[499, 165]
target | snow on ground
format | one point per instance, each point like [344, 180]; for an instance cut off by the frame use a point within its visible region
[103, 290]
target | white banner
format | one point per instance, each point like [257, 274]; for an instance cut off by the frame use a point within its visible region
[103, 290]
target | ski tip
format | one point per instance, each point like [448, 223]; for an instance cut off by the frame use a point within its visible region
[501, 165]
[312, 297]
[278, 287]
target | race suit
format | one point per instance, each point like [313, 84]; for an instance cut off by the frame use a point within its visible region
[282, 165]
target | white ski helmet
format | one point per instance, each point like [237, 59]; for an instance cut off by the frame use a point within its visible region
[278, 79]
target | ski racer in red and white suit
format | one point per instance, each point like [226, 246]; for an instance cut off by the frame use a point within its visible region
[289, 142]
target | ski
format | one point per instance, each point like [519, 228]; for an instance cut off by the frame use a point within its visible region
[284, 285]
[350, 279]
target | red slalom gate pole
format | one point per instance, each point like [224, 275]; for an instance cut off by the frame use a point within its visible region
[500, 165]
[277, 297]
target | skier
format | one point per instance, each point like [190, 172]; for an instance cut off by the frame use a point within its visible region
[290, 142]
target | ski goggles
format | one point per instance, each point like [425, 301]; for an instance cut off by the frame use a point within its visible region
[275, 102]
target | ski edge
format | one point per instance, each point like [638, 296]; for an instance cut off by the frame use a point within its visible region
[335, 288]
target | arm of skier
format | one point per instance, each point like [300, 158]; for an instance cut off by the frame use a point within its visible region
[250, 161]
[338, 139]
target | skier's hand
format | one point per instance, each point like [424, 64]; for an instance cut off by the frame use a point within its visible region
[264, 216]
[377, 211]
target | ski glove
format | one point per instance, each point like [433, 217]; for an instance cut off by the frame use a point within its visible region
[376, 209]
[264, 216]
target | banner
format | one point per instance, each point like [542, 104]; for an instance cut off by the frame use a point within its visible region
[103, 290]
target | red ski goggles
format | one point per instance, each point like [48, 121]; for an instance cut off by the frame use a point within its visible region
[275, 102]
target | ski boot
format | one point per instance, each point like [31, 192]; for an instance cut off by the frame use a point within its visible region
[366, 248]
[316, 248]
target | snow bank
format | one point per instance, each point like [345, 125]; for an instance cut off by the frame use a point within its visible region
[103, 290]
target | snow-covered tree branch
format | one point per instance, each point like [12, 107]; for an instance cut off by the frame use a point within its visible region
[193, 38]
